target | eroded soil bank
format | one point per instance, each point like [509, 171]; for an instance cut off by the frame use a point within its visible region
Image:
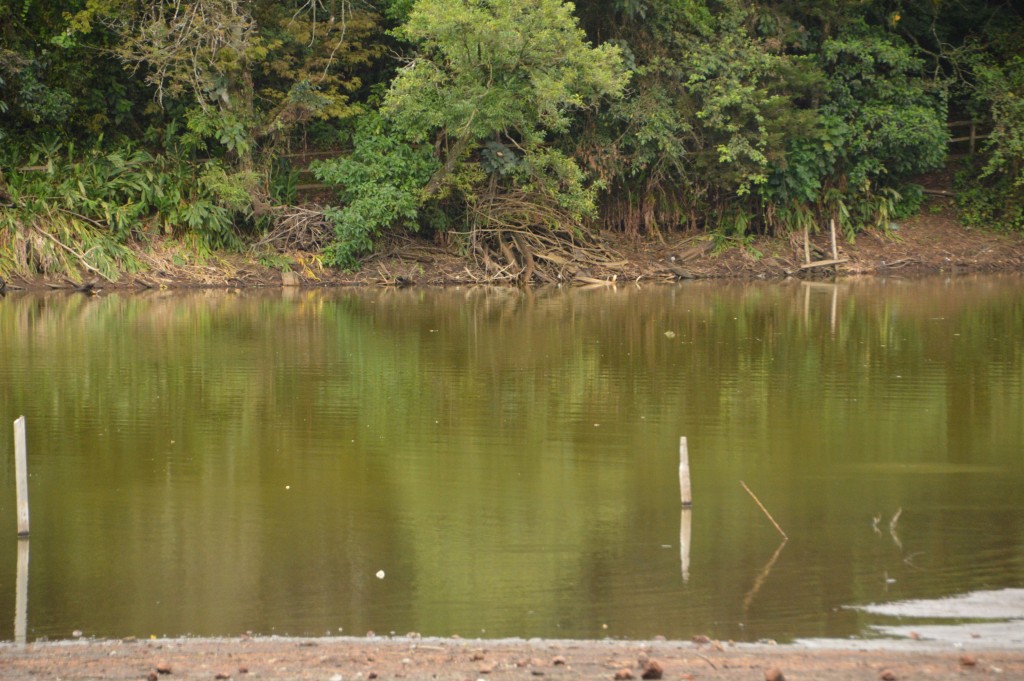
[348, 659]
[932, 243]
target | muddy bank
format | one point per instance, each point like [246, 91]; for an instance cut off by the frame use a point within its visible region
[931, 243]
[457, 660]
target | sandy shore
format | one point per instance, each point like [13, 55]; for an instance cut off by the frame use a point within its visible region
[350, 659]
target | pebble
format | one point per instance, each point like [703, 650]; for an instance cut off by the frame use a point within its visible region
[773, 674]
[222, 675]
[623, 675]
[887, 675]
[700, 639]
[652, 670]
[557, 660]
[163, 668]
[151, 676]
[968, 660]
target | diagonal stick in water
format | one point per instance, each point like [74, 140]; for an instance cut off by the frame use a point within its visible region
[758, 502]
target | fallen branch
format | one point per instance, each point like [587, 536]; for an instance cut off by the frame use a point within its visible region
[823, 263]
[596, 282]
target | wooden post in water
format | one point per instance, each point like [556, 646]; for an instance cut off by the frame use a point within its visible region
[684, 474]
[832, 231]
[21, 475]
[21, 594]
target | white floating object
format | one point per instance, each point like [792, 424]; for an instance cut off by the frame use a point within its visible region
[380, 574]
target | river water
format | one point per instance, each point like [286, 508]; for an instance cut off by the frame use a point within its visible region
[490, 463]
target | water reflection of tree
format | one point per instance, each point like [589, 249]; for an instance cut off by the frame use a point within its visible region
[478, 443]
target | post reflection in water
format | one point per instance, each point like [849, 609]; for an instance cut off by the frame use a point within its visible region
[685, 531]
[21, 594]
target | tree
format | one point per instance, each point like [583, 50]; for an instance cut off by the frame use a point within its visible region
[491, 83]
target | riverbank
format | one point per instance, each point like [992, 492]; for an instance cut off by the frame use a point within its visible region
[273, 659]
[933, 242]
[456, 660]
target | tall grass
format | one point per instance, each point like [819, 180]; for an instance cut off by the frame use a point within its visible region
[77, 216]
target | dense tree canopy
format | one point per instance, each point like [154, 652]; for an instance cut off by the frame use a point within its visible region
[491, 120]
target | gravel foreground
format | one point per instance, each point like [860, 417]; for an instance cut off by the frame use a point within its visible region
[363, 659]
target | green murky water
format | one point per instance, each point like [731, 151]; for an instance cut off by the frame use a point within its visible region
[213, 463]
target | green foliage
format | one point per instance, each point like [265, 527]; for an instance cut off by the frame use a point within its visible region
[707, 121]
[734, 117]
[379, 185]
[284, 183]
[991, 189]
[490, 83]
[993, 202]
[790, 114]
[276, 261]
[73, 211]
[740, 109]
[227, 128]
[895, 121]
[507, 73]
[70, 218]
[498, 67]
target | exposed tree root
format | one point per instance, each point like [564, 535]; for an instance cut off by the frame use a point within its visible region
[522, 238]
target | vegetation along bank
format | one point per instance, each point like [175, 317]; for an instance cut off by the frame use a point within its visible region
[522, 141]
